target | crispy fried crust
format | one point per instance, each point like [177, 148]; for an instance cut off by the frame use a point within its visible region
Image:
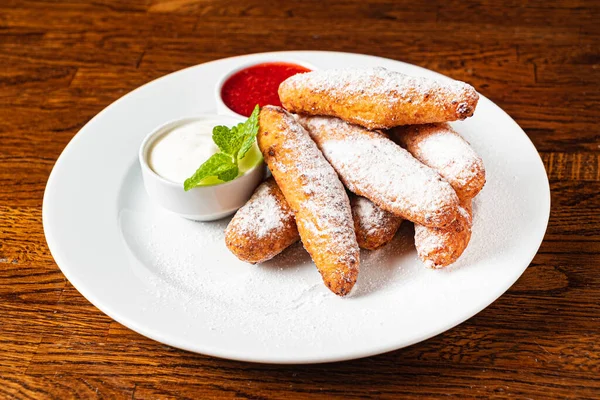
[440, 247]
[263, 227]
[374, 227]
[377, 98]
[315, 194]
[266, 226]
[373, 166]
[443, 149]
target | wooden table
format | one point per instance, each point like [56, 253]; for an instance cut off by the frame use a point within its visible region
[63, 62]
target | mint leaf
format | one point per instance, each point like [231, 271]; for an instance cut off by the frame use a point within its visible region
[221, 135]
[237, 138]
[229, 174]
[219, 165]
[233, 144]
[249, 129]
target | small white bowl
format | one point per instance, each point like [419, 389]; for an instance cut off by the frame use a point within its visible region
[202, 203]
[223, 108]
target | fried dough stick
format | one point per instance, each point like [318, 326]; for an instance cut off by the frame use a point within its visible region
[440, 247]
[263, 227]
[377, 98]
[373, 166]
[315, 194]
[443, 149]
[374, 227]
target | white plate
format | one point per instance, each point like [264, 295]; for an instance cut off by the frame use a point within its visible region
[174, 281]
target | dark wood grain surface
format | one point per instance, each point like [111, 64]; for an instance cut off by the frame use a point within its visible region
[61, 62]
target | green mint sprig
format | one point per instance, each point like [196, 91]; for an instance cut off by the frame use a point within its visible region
[233, 144]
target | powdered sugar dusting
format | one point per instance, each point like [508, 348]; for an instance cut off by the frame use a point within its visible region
[322, 209]
[375, 82]
[262, 216]
[325, 204]
[440, 247]
[377, 97]
[370, 217]
[374, 227]
[187, 268]
[373, 166]
[441, 148]
[187, 263]
[455, 159]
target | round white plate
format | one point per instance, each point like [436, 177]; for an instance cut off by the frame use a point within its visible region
[174, 280]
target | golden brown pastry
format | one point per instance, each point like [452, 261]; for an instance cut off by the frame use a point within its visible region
[263, 227]
[374, 227]
[443, 149]
[440, 247]
[373, 166]
[315, 194]
[377, 98]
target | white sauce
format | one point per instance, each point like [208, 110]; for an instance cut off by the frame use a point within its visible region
[177, 154]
